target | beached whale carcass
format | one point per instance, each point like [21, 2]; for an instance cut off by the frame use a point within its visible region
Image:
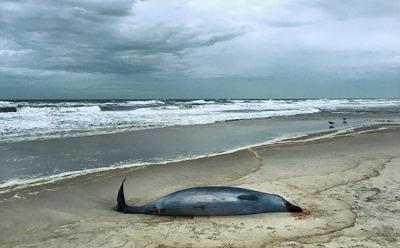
[209, 201]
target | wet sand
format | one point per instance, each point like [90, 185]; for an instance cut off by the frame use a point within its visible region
[348, 184]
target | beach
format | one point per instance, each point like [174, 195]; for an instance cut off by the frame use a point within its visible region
[199, 124]
[347, 183]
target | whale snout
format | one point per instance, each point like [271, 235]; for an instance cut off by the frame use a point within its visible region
[293, 208]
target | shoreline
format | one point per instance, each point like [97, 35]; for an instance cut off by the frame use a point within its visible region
[129, 130]
[346, 183]
[322, 113]
[13, 185]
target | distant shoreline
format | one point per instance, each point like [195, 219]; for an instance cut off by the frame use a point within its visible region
[189, 99]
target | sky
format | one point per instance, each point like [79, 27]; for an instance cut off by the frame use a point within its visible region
[199, 49]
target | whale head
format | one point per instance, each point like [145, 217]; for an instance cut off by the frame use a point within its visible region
[277, 203]
[293, 208]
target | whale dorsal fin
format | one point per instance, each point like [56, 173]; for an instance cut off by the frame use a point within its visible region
[248, 197]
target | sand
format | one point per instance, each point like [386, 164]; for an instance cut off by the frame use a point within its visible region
[348, 184]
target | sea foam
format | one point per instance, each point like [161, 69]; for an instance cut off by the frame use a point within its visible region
[51, 119]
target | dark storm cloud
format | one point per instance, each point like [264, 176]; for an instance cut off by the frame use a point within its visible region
[89, 36]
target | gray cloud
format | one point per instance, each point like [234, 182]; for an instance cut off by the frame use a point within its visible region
[156, 48]
[89, 36]
[343, 9]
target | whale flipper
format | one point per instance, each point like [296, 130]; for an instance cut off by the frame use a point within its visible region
[248, 197]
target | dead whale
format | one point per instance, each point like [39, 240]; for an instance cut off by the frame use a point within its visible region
[210, 201]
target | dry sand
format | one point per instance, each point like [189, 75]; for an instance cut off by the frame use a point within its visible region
[348, 185]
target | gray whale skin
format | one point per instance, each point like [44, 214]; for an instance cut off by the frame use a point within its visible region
[210, 201]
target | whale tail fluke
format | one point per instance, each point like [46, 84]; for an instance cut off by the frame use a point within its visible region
[121, 204]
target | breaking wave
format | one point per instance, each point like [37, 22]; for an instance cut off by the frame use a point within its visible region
[51, 119]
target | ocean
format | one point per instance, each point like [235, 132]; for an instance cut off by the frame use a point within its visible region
[46, 140]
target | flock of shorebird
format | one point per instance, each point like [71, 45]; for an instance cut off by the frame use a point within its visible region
[332, 123]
